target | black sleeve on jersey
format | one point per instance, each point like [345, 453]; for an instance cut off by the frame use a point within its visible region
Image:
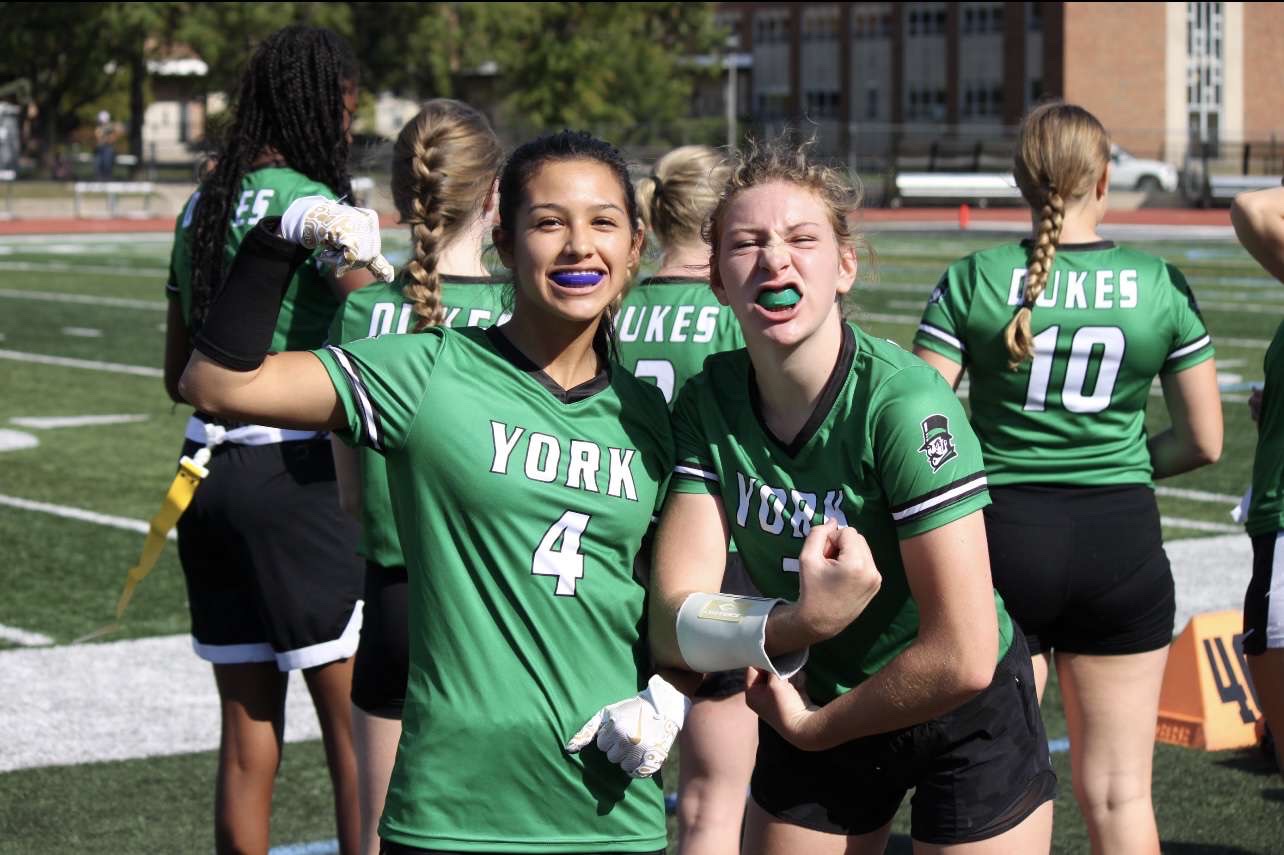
[238, 329]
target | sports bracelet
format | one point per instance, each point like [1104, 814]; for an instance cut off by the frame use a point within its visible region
[723, 632]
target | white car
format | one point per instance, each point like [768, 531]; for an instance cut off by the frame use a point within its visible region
[1138, 173]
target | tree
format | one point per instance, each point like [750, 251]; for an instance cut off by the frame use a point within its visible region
[225, 34]
[625, 70]
[59, 49]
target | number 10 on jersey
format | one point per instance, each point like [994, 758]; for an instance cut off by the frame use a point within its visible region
[559, 555]
[1105, 344]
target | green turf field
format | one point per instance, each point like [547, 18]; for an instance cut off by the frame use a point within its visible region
[94, 304]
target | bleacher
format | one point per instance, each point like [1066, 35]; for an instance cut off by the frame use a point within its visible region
[1215, 175]
[951, 171]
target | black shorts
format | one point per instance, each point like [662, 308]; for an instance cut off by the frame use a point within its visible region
[735, 580]
[1264, 624]
[976, 772]
[382, 665]
[1082, 569]
[270, 559]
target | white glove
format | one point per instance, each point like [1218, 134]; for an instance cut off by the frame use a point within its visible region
[348, 236]
[637, 733]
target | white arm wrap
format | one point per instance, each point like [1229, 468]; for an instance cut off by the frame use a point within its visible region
[723, 632]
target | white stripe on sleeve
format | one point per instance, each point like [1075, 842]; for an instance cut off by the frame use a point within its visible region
[363, 399]
[1188, 349]
[937, 332]
[939, 500]
[698, 473]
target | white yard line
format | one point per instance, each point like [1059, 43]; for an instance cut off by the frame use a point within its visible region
[82, 332]
[152, 697]
[158, 273]
[89, 364]
[1200, 525]
[23, 638]
[1197, 495]
[317, 847]
[49, 422]
[85, 703]
[70, 513]
[81, 299]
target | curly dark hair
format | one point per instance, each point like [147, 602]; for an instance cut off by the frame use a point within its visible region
[290, 101]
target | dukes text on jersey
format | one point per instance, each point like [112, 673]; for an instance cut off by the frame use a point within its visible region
[1070, 289]
[667, 323]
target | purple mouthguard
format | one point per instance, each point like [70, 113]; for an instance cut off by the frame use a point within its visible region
[577, 278]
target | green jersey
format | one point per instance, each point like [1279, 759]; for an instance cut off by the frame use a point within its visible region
[1110, 320]
[668, 325]
[1266, 509]
[888, 451]
[310, 303]
[381, 309]
[520, 507]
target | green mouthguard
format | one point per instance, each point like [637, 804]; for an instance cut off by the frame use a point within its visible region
[779, 299]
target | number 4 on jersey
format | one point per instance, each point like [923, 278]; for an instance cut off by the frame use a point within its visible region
[559, 552]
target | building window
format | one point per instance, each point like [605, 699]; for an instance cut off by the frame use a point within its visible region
[1034, 17]
[772, 29]
[821, 104]
[871, 103]
[1204, 29]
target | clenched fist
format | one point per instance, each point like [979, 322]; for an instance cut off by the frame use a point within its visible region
[838, 579]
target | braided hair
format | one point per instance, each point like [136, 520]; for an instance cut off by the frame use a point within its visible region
[290, 102]
[1062, 151]
[443, 165]
[527, 159]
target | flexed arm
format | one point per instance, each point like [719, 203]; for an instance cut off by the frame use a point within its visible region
[230, 373]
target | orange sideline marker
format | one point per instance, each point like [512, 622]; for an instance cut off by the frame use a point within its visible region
[1207, 700]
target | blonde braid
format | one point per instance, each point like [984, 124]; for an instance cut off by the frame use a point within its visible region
[1018, 335]
[422, 280]
[1062, 152]
[444, 161]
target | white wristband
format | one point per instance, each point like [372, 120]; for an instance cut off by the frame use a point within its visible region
[724, 632]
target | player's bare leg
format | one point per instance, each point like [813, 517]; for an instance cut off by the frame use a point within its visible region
[1041, 663]
[1267, 670]
[331, 688]
[766, 835]
[375, 739]
[718, 744]
[1111, 705]
[252, 703]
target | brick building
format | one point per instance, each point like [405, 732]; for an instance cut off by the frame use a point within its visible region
[1157, 74]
